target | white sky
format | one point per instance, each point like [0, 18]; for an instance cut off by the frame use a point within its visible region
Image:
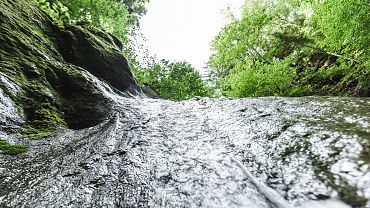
[183, 29]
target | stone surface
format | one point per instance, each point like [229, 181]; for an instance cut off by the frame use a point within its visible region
[157, 153]
[99, 53]
[55, 67]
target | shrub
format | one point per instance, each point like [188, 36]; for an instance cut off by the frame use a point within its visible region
[277, 79]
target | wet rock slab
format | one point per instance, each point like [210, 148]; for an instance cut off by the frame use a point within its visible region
[157, 153]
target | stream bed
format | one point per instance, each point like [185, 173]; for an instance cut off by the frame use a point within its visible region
[253, 152]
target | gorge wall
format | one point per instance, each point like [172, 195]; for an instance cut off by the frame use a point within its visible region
[46, 69]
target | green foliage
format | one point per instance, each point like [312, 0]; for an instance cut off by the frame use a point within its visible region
[113, 16]
[262, 80]
[56, 10]
[266, 31]
[11, 149]
[109, 15]
[136, 8]
[343, 26]
[175, 81]
[293, 48]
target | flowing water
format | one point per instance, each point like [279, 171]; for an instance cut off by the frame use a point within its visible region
[254, 152]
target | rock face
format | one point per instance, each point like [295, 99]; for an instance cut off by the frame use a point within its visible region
[53, 67]
[8, 111]
[97, 52]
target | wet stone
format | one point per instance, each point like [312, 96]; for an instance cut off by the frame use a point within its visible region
[158, 153]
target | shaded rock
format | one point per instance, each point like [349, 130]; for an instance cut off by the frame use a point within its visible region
[98, 52]
[53, 67]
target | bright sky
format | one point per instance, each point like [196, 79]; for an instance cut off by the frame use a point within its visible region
[183, 29]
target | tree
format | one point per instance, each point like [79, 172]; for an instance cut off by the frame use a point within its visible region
[136, 8]
[174, 80]
[343, 27]
[113, 16]
[317, 46]
[110, 15]
[267, 33]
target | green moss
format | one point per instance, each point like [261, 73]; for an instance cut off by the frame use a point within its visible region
[30, 132]
[46, 122]
[11, 149]
[39, 105]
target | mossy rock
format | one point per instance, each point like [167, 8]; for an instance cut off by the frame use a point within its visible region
[11, 149]
[55, 68]
[46, 123]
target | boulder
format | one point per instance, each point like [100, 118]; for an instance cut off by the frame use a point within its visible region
[56, 67]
